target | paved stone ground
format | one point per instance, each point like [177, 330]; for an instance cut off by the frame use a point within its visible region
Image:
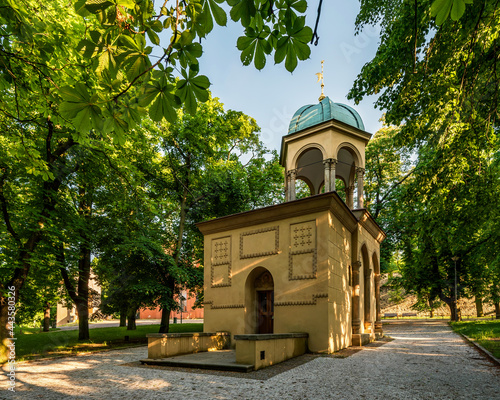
[425, 361]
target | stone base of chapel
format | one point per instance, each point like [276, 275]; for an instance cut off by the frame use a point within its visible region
[361, 339]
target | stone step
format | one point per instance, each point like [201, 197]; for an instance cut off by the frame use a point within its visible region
[222, 360]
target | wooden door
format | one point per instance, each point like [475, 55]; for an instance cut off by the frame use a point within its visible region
[265, 311]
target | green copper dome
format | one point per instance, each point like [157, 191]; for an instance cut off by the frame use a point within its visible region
[325, 110]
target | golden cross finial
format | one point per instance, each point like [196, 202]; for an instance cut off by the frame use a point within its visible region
[320, 78]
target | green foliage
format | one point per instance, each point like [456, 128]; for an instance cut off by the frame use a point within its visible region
[441, 9]
[387, 166]
[41, 289]
[436, 85]
[426, 303]
[202, 166]
[302, 189]
[340, 188]
[213, 165]
[74, 83]
[396, 295]
[134, 270]
[99, 63]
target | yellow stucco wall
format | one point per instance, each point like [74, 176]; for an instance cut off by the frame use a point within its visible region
[306, 245]
[339, 289]
[298, 297]
[328, 137]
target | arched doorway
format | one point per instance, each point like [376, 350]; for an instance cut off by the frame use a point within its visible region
[259, 302]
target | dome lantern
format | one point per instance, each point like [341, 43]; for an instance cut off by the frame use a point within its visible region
[325, 141]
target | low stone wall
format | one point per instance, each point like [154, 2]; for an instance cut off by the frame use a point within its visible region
[161, 345]
[269, 349]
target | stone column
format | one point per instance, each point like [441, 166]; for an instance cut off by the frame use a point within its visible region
[292, 174]
[333, 166]
[378, 322]
[368, 300]
[287, 186]
[350, 196]
[356, 322]
[327, 166]
[360, 172]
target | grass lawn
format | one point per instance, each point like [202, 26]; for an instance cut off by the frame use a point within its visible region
[35, 344]
[486, 333]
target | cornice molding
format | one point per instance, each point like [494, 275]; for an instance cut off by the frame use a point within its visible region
[321, 202]
[367, 222]
[302, 302]
[222, 306]
[347, 129]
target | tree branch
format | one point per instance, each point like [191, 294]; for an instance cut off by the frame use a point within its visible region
[315, 37]
[63, 147]
[167, 54]
[70, 287]
[48, 140]
[112, 166]
[397, 184]
[5, 212]
[415, 33]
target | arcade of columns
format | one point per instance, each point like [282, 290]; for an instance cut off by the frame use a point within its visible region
[329, 166]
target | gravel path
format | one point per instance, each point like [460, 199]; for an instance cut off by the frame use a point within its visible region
[425, 361]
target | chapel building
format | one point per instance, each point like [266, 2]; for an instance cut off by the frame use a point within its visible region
[310, 264]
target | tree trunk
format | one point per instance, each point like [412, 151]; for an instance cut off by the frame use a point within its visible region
[165, 321]
[450, 301]
[46, 318]
[131, 320]
[85, 210]
[80, 297]
[165, 313]
[458, 316]
[453, 317]
[479, 306]
[82, 308]
[497, 310]
[123, 317]
[50, 189]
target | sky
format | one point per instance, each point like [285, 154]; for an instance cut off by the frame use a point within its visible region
[271, 96]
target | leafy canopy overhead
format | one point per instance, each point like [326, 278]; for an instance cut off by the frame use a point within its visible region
[106, 61]
[441, 9]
